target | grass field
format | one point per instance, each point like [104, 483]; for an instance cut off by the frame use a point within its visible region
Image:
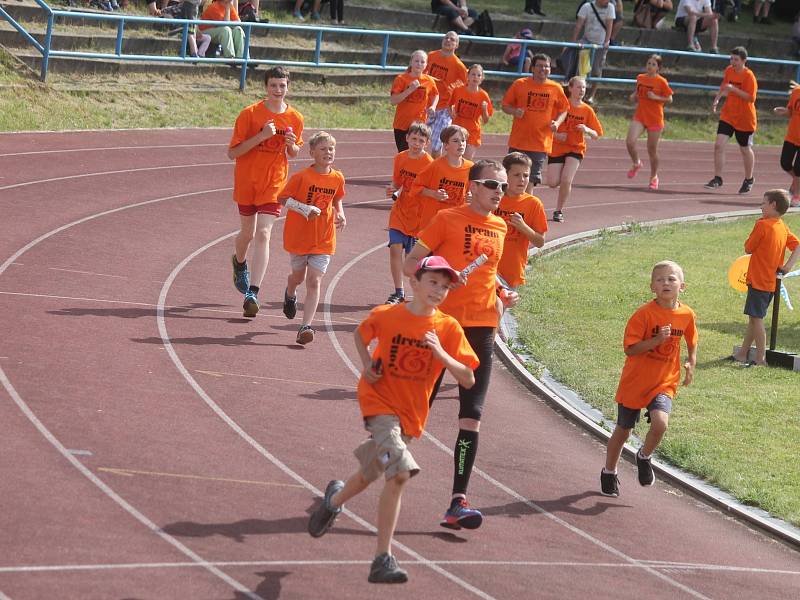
[736, 428]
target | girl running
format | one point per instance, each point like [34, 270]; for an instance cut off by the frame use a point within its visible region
[414, 96]
[790, 155]
[569, 144]
[471, 108]
[652, 92]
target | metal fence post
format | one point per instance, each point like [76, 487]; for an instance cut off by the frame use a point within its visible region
[243, 74]
[385, 51]
[46, 50]
[120, 29]
[318, 49]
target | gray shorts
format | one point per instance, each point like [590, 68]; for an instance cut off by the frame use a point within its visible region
[538, 160]
[628, 417]
[386, 449]
[319, 262]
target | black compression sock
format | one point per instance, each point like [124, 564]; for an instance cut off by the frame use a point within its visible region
[254, 289]
[463, 458]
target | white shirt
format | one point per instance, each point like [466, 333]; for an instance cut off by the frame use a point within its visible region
[593, 31]
[695, 5]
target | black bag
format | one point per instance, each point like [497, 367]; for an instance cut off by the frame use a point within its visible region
[483, 25]
[567, 62]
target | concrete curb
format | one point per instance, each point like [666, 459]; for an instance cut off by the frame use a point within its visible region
[572, 406]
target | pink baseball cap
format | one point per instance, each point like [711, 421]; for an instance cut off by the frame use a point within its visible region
[436, 263]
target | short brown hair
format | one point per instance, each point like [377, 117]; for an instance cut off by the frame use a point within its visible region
[450, 131]
[657, 58]
[780, 198]
[739, 51]
[276, 73]
[516, 158]
[420, 128]
[476, 170]
[540, 56]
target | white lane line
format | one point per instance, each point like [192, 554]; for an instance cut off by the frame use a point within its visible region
[322, 563]
[4, 597]
[162, 330]
[517, 496]
[264, 377]
[86, 273]
[64, 452]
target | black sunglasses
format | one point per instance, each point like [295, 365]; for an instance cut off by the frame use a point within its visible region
[492, 184]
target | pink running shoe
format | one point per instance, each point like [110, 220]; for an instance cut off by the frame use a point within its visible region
[634, 170]
[653, 183]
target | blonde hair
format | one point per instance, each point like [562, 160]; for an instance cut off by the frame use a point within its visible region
[320, 136]
[417, 53]
[667, 264]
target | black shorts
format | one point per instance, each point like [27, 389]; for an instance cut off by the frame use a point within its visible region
[700, 27]
[400, 139]
[743, 138]
[757, 302]
[471, 400]
[790, 158]
[556, 160]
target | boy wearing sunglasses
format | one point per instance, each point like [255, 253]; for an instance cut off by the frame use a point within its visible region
[461, 235]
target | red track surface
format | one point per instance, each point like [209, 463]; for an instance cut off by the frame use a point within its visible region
[157, 445]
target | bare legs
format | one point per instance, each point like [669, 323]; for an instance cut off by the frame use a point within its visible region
[256, 229]
[313, 279]
[653, 137]
[659, 420]
[561, 176]
[755, 332]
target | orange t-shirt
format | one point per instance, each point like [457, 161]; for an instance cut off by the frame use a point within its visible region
[449, 73]
[467, 111]
[650, 113]
[317, 236]
[260, 173]
[216, 12]
[409, 367]
[657, 371]
[415, 105]
[515, 246]
[793, 132]
[576, 142]
[460, 235]
[404, 215]
[542, 102]
[767, 246]
[738, 112]
[440, 175]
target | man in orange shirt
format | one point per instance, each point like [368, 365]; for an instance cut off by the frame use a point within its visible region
[461, 235]
[766, 246]
[309, 238]
[266, 134]
[449, 72]
[738, 117]
[538, 106]
[652, 371]
[415, 343]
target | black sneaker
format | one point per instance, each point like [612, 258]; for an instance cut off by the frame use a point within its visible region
[609, 484]
[715, 183]
[747, 185]
[646, 475]
[558, 216]
[384, 569]
[305, 335]
[395, 299]
[289, 305]
[322, 519]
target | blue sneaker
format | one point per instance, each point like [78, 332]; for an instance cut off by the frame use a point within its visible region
[322, 519]
[461, 515]
[241, 276]
[250, 305]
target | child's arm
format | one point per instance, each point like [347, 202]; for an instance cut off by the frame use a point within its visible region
[485, 112]
[244, 147]
[588, 131]
[782, 111]
[653, 96]
[368, 371]
[440, 194]
[534, 237]
[400, 96]
[787, 266]
[462, 373]
[689, 365]
[648, 344]
[506, 54]
[290, 138]
[339, 218]
[556, 123]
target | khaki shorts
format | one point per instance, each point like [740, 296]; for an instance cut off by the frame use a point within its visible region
[385, 451]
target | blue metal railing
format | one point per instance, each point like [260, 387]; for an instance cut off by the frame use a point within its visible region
[319, 33]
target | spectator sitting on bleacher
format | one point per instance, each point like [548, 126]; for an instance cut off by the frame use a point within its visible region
[513, 53]
[457, 13]
[230, 38]
[650, 14]
[108, 5]
[197, 42]
[696, 16]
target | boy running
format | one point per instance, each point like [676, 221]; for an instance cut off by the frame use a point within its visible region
[415, 343]
[450, 73]
[652, 371]
[525, 217]
[461, 235]
[766, 245]
[538, 106]
[311, 240]
[265, 135]
[790, 153]
[737, 118]
[404, 216]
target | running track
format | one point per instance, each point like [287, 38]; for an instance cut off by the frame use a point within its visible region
[155, 444]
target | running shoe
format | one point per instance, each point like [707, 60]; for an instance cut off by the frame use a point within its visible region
[795, 201]
[609, 484]
[653, 185]
[241, 276]
[322, 519]
[558, 216]
[384, 569]
[395, 298]
[461, 515]
[635, 169]
[715, 183]
[305, 335]
[646, 474]
[747, 185]
[289, 305]
[250, 305]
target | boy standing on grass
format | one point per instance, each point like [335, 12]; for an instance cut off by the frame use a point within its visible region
[652, 371]
[766, 246]
[309, 236]
[524, 214]
[404, 216]
[415, 343]
[266, 134]
[737, 118]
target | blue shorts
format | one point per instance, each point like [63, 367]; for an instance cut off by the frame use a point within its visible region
[398, 237]
[628, 417]
[757, 302]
